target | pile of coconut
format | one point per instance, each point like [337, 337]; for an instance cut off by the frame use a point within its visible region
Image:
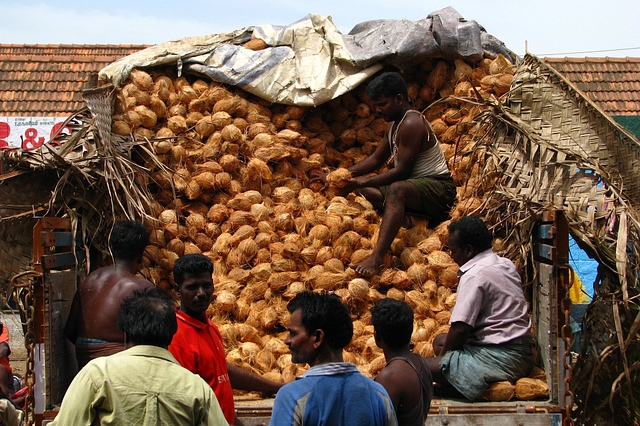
[235, 187]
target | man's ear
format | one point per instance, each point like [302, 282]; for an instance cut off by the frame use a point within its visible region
[399, 99]
[319, 338]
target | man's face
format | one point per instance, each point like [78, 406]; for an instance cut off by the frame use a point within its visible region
[388, 108]
[460, 254]
[196, 293]
[301, 345]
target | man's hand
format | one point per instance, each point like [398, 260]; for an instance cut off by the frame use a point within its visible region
[4, 349]
[319, 176]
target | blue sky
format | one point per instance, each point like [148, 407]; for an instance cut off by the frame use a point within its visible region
[550, 28]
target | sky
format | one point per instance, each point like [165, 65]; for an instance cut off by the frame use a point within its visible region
[576, 28]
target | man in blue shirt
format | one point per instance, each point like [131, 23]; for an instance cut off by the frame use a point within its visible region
[331, 392]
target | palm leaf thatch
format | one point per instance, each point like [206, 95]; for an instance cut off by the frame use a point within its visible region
[90, 176]
[552, 148]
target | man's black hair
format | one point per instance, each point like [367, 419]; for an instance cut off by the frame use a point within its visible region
[473, 231]
[148, 317]
[192, 264]
[388, 84]
[128, 240]
[324, 311]
[393, 322]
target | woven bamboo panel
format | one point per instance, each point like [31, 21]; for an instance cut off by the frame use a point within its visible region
[576, 129]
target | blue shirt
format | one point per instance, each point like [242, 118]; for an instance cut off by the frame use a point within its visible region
[333, 394]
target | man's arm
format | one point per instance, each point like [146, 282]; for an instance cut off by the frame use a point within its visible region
[456, 337]
[409, 142]
[5, 349]
[375, 160]
[71, 326]
[394, 387]
[245, 380]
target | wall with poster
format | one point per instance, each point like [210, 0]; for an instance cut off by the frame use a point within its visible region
[28, 132]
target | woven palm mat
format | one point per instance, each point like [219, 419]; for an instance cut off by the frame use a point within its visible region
[548, 147]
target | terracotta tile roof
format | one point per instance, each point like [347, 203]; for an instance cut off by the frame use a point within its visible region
[46, 80]
[612, 83]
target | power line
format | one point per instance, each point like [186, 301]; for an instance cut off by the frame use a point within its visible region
[588, 51]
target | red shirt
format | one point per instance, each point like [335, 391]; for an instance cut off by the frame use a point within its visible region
[4, 338]
[198, 347]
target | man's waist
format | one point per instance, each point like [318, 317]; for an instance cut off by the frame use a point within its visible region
[88, 341]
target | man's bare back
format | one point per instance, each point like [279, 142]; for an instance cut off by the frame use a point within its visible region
[92, 324]
[98, 302]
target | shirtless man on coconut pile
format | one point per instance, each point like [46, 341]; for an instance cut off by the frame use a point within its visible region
[419, 182]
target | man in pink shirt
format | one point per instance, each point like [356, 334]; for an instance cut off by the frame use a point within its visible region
[489, 339]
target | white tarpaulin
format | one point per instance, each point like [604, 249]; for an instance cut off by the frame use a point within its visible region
[310, 62]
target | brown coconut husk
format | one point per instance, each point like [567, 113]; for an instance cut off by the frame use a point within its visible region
[499, 391]
[528, 389]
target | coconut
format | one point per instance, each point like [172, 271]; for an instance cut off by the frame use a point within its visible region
[333, 265]
[249, 351]
[449, 276]
[424, 349]
[168, 216]
[279, 281]
[225, 301]
[235, 106]
[396, 294]
[433, 243]
[450, 301]
[438, 259]
[376, 365]
[332, 280]
[411, 256]
[269, 318]
[242, 233]
[293, 289]
[148, 118]
[538, 373]
[177, 124]
[499, 391]
[339, 177]
[401, 280]
[218, 213]
[527, 389]
[283, 194]
[241, 276]
[359, 288]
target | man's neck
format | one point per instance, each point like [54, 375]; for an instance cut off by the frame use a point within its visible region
[200, 316]
[327, 358]
[390, 353]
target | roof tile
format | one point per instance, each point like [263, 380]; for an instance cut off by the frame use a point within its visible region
[612, 83]
[44, 80]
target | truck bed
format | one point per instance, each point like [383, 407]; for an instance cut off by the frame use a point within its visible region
[444, 411]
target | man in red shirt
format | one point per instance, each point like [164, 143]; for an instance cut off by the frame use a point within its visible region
[198, 345]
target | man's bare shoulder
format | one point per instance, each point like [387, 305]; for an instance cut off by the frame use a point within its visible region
[397, 371]
[110, 278]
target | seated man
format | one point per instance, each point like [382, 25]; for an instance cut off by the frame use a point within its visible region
[419, 181]
[9, 383]
[331, 392]
[406, 377]
[489, 339]
[143, 385]
[198, 345]
[91, 324]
